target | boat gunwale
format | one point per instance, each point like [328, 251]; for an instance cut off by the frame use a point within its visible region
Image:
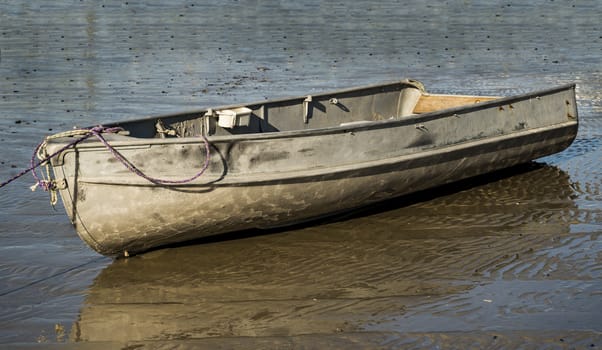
[122, 140]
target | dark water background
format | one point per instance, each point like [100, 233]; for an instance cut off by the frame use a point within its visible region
[512, 259]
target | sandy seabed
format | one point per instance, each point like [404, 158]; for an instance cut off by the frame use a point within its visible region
[511, 260]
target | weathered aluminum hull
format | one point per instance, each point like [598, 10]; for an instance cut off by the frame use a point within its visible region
[280, 178]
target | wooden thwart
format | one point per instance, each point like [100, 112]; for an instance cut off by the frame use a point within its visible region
[430, 102]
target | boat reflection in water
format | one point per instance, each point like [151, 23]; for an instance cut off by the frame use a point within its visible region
[441, 261]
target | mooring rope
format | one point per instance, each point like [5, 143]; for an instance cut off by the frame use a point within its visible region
[48, 184]
[155, 180]
[40, 152]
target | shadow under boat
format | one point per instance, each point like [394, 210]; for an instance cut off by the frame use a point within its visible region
[335, 276]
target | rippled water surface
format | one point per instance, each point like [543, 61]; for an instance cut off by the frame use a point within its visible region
[510, 259]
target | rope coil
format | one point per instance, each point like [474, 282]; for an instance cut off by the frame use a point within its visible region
[48, 184]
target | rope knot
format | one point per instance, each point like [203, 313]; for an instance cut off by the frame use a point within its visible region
[48, 185]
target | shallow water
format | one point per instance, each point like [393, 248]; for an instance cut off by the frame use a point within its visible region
[511, 259]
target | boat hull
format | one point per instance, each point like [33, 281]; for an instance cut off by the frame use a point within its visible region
[278, 179]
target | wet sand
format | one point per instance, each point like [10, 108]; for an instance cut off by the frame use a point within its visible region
[508, 260]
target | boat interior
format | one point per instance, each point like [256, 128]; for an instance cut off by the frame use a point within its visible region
[341, 108]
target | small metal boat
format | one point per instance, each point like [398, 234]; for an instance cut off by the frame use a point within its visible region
[156, 181]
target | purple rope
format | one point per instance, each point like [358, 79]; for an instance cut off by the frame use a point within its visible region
[49, 185]
[97, 131]
[17, 176]
[46, 185]
[131, 167]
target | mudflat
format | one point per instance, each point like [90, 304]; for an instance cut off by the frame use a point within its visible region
[506, 260]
